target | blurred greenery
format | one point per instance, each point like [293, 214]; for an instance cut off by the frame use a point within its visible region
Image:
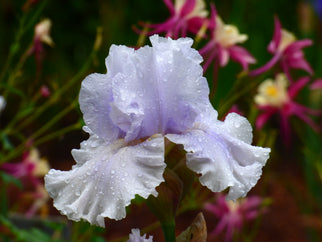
[74, 29]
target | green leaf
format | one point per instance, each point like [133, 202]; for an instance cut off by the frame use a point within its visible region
[8, 179]
[7, 145]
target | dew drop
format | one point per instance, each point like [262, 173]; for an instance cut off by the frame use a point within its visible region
[237, 125]
[126, 174]
[123, 165]
[77, 193]
[112, 172]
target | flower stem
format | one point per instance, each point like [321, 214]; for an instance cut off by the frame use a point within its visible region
[168, 229]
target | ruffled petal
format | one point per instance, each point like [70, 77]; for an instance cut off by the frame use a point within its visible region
[106, 178]
[164, 93]
[135, 236]
[158, 89]
[96, 96]
[222, 154]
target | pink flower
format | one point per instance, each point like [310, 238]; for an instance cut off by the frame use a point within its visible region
[41, 36]
[44, 91]
[30, 168]
[232, 215]
[287, 51]
[317, 84]
[186, 16]
[223, 44]
[275, 98]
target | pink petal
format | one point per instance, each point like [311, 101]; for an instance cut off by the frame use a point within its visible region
[297, 86]
[241, 55]
[267, 66]
[298, 62]
[297, 45]
[223, 55]
[263, 118]
[317, 84]
[187, 7]
[273, 45]
[170, 6]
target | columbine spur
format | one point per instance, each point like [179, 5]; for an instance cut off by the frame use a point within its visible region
[146, 96]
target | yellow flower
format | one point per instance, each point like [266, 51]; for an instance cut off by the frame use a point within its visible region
[228, 35]
[273, 92]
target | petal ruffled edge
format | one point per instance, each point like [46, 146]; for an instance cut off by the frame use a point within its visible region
[104, 184]
[222, 154]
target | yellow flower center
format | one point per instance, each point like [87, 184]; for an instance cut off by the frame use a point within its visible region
[273, 92]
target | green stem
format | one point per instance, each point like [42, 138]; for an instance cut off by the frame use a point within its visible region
[168, 229]
[19, 149]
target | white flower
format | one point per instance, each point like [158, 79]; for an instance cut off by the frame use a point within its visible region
[146, 96]
[2, 103]
[136, 237]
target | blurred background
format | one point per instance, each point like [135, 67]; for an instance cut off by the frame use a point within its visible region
[291, 180]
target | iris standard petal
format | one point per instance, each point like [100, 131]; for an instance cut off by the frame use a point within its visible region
[224, 159]
[164, 93]
[158, 89]
[106, 178]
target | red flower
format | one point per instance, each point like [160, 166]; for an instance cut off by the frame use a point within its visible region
[232, 215]
[223, 44]
[186, 16]
[275, 98]
[287, 51]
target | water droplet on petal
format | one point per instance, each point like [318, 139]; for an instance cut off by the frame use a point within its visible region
[237, 125]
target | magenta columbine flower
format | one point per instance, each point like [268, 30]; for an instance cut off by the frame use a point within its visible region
[275, 97]
[136, 237]
[287, 51]
[31, 168]
[233, 215]
[223, 44]
[146, 96]
[186, 16]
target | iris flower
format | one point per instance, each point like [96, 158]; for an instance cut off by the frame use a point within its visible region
[287, 51]
[186, 16]
[136, 237]
[223, 44]
[146, 96]
[277, 97]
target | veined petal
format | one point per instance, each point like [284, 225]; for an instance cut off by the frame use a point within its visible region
[96, 96]
[158, 89]
[106, 178]
[222, 154]
[167, 90]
